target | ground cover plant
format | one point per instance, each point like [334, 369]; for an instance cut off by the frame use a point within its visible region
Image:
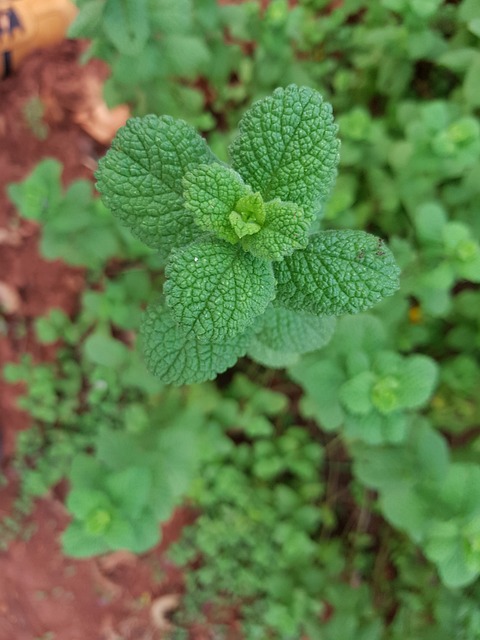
[347, 448]
[238, 241]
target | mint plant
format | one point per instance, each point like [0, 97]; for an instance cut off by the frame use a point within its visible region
[361, 386]
[256, 533]
[434, 500]
[107, 514]
[449, 253]
[239, 241]
[76, 227]
[138, 475]
[155, 50]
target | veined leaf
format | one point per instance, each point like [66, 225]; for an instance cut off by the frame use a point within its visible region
[177, 357]
[339, 272]
[211, 192]
[285, 230]
[216, 289]
[140, 178]
[287, 147]
[290, 331]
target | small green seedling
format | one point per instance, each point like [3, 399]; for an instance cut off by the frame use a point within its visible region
[239, 241]
[363, 388]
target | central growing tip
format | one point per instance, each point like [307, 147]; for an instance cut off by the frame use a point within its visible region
[248, 215]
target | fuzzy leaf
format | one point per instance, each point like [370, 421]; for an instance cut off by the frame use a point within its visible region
[285, 230]
[429, 221]
[40, 192]
[449, 551]
[417, 379]
[130, 489]
[140, 179]
[320, 380]
[269, 357]
[290, 331]
[78, 543]
[120, 534]
[216, 289]
[126, 24]
[176, 356]
[211, 192]
[287, 147]
[249, 215]
[147, 532]
[355, 393]
[375, 428]
[357, 336]
[82, 501]
[339, 272]
[88, 22]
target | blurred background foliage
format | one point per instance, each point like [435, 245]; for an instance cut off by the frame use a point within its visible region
[339, 498]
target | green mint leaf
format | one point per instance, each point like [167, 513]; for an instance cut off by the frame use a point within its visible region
[290, 331]
[81, 501]
[176, 356]
[241, 227]
[430, 220]
[385, 394]
[120, 489]
[285, 230]
[287, 147]
[41, 191]
[355, 394]
[217, 289]
[77, 543]
[268, 357]
[286, 334]
[126, 25]
[375, 428]
[140, 179]
[120, 533]
[320, 379]
[88, 22]
[223, 204]
[249, 215]
[339, 272]
[147, 532]
[417, 379]
[211, 192]
[252, 209]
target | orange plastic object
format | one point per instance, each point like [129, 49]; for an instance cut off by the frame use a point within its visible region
[29, 24]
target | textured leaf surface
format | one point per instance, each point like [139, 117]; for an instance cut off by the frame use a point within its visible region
[339, 272]
[285, 230]
[294, 331]
[217, 289]
[140, 178]
[211, 192]
[176, 356]
[287, 147]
